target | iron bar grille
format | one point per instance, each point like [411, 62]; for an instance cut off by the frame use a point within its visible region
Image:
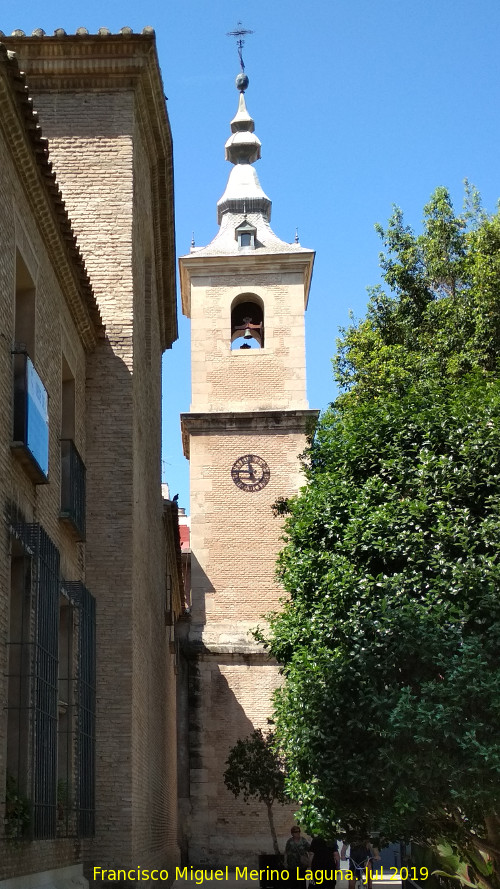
[86, 698]
[45, 686]
[17, 822]
[72, 487]
[67, 720]
[50, 786]
[39, 632]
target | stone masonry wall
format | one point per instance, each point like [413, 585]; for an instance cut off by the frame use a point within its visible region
[230, 695]
[248, 379]
[235, 539]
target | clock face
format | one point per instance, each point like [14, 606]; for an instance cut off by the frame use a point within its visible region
[250, 473]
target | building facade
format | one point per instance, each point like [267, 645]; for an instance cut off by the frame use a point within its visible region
[246, 294]
[81, 350]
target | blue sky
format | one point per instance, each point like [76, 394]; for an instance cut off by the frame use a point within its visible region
[359, 105]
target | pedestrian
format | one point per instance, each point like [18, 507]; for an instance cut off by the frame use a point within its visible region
[297, 858]
[361, 856]
[323, 858]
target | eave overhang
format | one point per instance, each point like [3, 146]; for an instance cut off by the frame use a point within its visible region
[30, 155]
[125, 61]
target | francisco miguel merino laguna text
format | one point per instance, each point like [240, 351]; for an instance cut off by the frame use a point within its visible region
[200, 876]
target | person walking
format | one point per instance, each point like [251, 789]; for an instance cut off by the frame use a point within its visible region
[323, 858]
[361, 856]
[296, 857]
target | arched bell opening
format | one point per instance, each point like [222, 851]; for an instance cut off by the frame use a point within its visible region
[247, 322]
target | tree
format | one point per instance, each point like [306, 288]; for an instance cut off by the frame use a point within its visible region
[441, 318]
[390, 640]
[255, 769]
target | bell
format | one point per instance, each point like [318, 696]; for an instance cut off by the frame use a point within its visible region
[247, 335]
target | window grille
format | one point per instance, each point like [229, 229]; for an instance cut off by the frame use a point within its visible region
[66, 729]
[39, 637]
[51, 695]
[72, 488]
[86, 692]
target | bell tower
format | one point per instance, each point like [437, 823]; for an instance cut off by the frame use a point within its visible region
[246, 294]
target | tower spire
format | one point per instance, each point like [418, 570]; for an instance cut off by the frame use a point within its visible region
[244, 202]
[243, 192]
[243, 146]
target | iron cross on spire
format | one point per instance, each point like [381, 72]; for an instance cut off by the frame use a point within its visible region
[240, 33]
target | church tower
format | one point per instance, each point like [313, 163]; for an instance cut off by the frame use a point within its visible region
[245, 293]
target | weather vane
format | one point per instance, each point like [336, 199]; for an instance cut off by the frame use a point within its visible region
[240, 33]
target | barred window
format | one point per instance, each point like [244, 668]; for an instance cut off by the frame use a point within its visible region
[51, 695]
[32, 685]
[86, 695]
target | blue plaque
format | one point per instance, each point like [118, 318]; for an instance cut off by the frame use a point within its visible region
[37, 418]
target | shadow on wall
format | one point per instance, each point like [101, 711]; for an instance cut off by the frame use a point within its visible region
[127, 577]
[216, 692]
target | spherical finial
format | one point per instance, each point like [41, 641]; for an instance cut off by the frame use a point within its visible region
[242, 82]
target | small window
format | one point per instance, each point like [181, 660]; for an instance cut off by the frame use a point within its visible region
[30, 443]
[245, 234]
[67, 401]
[25, 309]
[73, 503]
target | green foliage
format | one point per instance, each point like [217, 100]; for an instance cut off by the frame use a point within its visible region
[441, 319]
[255, 769]
[390, 640]
[17, 810]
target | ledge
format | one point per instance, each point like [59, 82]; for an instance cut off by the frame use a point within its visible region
[24, 456]
[228, 422]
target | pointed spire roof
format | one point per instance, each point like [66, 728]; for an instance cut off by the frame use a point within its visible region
[243, 146]
[243, 192]
[244, 198]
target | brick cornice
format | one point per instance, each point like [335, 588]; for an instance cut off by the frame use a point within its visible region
[256, 422]
[157, 139]
[30, 154]
[110, 62]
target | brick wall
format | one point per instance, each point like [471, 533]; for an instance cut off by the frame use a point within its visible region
[234, 535]
[55, 334]
[248, 379]
[98, 148]
[231, 695]
[244, 401]
[235, 539]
